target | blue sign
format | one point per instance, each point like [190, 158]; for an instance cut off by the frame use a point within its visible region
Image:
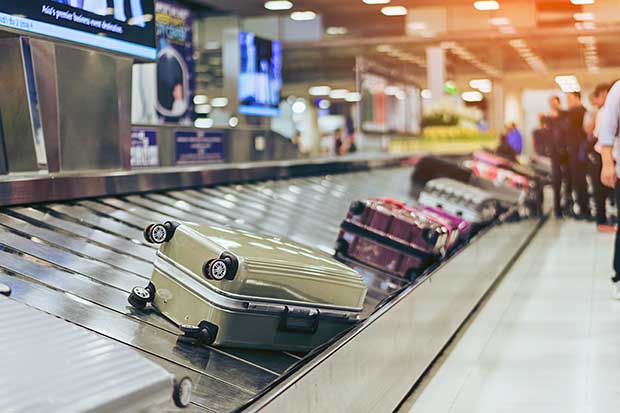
[199, 147]
[144, 148]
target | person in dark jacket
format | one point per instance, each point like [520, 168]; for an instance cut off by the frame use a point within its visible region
[577, 153]
[505, 149]
[560, 174]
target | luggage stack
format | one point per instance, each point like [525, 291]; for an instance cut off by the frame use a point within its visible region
[402, 240]
[233, 288]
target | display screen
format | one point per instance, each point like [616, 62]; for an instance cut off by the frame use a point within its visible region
[123, 26]
[260, 77]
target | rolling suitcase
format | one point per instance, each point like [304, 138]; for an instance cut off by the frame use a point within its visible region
[463, 226]
[433, 167]
[457, 198]
[50, 365]
[234, 288]
[390, 236]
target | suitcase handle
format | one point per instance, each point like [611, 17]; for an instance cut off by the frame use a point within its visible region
[300, 320]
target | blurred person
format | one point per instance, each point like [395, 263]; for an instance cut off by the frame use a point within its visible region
[601, 192]
[542, 136]
[560, 175]
[577, 153]
[506, 150]
[514, 138]
[607, 128]
[339, 144]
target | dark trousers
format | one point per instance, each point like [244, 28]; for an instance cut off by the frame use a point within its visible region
[616, 276]
[601, 192]
[560, 175]
[578, 169]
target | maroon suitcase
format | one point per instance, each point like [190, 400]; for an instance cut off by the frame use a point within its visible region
[390, 236]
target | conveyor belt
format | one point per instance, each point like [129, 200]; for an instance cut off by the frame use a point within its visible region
[79, 260]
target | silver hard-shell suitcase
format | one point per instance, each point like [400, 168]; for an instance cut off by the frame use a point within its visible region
[50, 365]
[466, 201]
[231, 287]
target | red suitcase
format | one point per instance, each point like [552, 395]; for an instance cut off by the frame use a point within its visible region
[499, 175]
[390, 236]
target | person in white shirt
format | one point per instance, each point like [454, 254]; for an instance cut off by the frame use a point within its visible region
[607, 129]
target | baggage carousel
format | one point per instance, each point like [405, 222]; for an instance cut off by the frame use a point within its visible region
[74, 248]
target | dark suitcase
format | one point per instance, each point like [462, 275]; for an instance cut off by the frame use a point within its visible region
[388, 235]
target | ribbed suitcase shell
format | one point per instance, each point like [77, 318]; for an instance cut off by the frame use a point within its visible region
[463, 227]
[275, 277]
[472, 204]
[391, 236]
[50, 365]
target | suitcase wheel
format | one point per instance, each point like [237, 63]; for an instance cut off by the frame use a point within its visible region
[182, 392]
[430, 236]
[215, 269]
[5, 290]
[141, 296]
[357, 207]
[156, 233]
[205, 333]
[222, 268]
[342, 246]
[412, 274]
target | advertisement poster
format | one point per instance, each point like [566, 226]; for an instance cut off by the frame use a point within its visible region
[175, 64]
[144, 148]
[199, 147]
[123, 26]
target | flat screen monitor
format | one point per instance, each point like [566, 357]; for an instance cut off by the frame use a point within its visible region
[121, 26]
[260, 77]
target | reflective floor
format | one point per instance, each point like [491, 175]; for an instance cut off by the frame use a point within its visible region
[547, 340]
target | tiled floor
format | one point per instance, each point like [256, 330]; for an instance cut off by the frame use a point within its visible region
[547, 340]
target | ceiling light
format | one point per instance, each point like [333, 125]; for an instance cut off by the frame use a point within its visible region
[338, 93]
[220, 102]
[486, 5]
[299, 107]
[472, 96]
[391, 90]
[324, 104]
[394, 11]
[580, 2]
[376, 1]
[586, 39]
[200, 99]
[507, 30]
[427, 94]
[233, 121]
[517, 43]
[481, 84]
[203, 123]
[336, 30]
[499, 21]
[303, 15]
[319, 90]
[202, 109]
[417, 26]
[353, 97]
[278, 5]
[583, 16]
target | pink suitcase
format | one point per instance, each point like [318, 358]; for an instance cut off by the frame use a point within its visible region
[388, 235]
[461, 229]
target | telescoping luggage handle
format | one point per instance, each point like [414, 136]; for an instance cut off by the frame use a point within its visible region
[300, 320]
